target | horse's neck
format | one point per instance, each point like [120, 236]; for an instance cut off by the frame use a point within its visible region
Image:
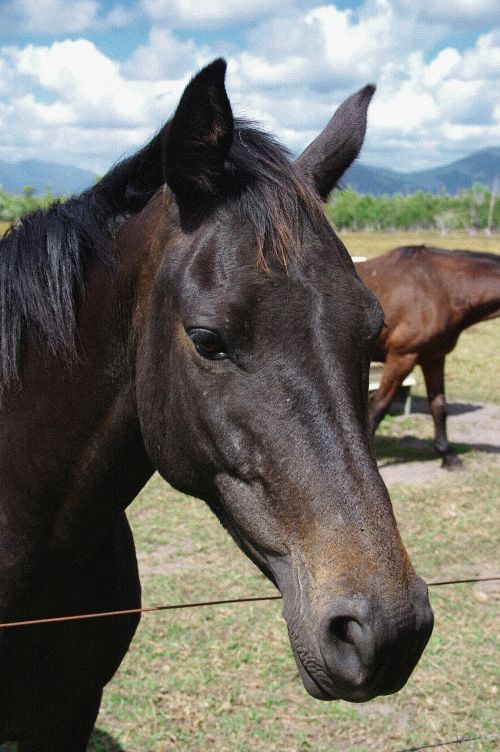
[479, 285]
[71, 451]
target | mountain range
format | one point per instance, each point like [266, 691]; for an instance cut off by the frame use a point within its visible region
[59, 179]
[480, 167]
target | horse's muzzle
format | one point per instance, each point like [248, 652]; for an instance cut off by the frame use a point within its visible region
[364, 651]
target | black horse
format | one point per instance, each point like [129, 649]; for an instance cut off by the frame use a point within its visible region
[194, 313]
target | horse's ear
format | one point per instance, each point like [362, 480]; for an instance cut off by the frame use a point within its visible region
[198, 137]
[330, 154]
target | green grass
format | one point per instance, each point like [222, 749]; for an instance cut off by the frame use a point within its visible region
[472, 369]
[223, 677]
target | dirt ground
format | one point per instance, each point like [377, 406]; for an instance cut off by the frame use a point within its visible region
[474, 424]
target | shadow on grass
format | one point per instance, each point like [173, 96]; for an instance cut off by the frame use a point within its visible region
[100, 741]
[421, 406]
[411, 449]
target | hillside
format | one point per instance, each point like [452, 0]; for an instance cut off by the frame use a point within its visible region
[61, 180]
[481, 167]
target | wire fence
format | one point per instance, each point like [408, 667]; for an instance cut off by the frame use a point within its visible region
[199, 604]
[462, 740]
[253, 599]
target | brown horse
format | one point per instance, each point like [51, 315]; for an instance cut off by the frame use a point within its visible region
[217, 332]
[429, 296]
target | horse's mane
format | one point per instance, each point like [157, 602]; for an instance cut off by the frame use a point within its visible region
[409, 251]
[43, 257]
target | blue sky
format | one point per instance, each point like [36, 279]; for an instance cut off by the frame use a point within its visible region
[87, 81]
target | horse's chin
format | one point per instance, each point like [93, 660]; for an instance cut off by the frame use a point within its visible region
[320, 692]
[311, 685]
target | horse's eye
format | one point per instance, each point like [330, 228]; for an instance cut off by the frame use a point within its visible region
[208, 343]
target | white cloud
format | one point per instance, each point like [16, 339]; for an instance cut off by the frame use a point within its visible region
[78, 92]
[30, 111]
[58, 16]
[484, 60]
[439, 112]
[326, 47]
[434, 103]
[165, 56]
[458, 16]
[214, 14]
[84, 77]
[459, 132]
[258, 71]
[350, 45]
[322, 55]
[406, 111]
[442, 66]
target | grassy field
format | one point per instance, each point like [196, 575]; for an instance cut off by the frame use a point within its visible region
[374, 243]
[223, 678]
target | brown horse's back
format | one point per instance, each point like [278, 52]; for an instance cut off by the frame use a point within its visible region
[429, 296]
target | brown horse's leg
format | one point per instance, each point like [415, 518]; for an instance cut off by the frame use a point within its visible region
[434, 382]
[396, 369]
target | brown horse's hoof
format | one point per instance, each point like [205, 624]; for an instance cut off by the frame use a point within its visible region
[452, 462]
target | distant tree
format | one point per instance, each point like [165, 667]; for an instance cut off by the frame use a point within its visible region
[13, 206]
[469, 210]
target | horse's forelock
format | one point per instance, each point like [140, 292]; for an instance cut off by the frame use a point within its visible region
[271, 194]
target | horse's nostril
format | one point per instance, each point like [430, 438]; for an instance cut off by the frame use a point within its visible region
[345, 629]
[371, 648]
[348, 647]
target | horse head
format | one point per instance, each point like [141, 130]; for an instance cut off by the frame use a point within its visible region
[252, 343]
